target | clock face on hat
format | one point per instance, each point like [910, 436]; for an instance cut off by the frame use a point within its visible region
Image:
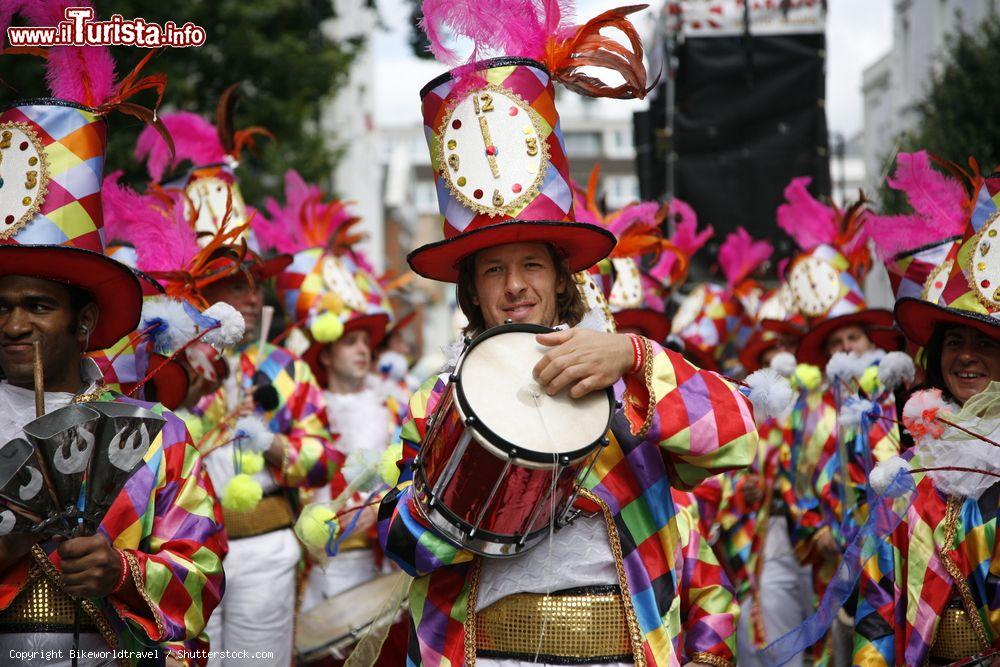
[984, 269]
[627, 289]
[778, 305]
[341, 282]
[209, 196]
[936, 281]
[815, 285]
[24, 177]
[492, 153]
[689, 309]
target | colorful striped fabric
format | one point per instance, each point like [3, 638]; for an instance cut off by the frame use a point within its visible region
[905, 583]
[167, 516]
[702, 426]
[300, 415]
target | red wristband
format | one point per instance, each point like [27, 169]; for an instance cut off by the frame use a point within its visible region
[637, 353]
[125, 571]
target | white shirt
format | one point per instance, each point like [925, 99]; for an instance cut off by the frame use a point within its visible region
[17, 405]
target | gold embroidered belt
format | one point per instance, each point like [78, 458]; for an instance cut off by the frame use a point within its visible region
[582, 625]
[42, 606]
[272, 513]
[956, 637]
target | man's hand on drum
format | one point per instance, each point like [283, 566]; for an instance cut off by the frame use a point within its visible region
[582, 359]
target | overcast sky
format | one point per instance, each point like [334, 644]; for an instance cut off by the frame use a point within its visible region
[858, 33]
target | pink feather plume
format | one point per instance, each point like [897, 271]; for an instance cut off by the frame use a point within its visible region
[500, 27]
[195, 139]
[641, 213]
[81, 74]
[686, 235]
[8, 8]
[163, 239]
[740, 256]
[304, 221]
[809, 222]
[938, 203]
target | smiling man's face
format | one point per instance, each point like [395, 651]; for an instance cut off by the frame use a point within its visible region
[969, 361]
[517, 282]
[34, 309]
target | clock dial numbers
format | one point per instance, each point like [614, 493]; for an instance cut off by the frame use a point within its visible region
[23, 177]
[984, 270]
[491, 151]
[816, 286]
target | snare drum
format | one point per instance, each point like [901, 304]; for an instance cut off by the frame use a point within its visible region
[502, 459]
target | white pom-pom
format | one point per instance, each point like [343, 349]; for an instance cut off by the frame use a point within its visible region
[841, 367]
[392, 364]
[254, 433]
[362, 468]
[231, 325]
[852, 410]
[784, 364]
[896, 369]
[770, 394]
[863, 362]
[173, 326]
[885, 473]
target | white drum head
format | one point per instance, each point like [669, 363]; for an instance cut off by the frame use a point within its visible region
[497, 382]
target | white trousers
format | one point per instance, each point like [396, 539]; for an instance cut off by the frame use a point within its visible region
[786, 596]
[257, 612]
[342, 572]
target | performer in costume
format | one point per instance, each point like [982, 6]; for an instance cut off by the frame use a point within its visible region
[511, 246]
[340, 314]
[824, 280]
[271, 384]
[153, 572]
[928, 587]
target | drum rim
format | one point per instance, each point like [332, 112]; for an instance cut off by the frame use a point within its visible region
[507, 447]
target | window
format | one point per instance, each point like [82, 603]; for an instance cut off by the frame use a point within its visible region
[582, 144]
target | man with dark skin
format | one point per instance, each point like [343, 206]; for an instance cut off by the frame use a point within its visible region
[32, 309]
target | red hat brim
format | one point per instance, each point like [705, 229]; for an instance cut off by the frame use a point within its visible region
[582, 244]
[264, 269]
[170, 381]
[375, 325]
[649, 323]
[919, 319]
[114, 287]
[812, 348]
[757, 345]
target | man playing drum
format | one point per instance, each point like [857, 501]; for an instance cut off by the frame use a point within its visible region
[629, 580]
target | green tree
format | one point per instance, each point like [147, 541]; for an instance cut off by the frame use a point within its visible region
[276, 49]
[957, 116]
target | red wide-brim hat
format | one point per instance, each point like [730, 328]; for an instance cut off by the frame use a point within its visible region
[264, 269]
[375, 325]
[649, 323]
[581, 244]
[812, 349]
[919, 319]
[114, 287]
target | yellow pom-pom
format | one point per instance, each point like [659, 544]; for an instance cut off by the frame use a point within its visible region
[332, 302]
[869, 380]
[808, 377]
[317, 525]
[242, 493]
[327, 328]
[250, 463]
[387, 468]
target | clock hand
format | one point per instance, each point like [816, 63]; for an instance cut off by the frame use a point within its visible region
[488, 141]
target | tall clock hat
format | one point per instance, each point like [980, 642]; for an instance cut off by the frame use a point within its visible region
[209, 188]
[51, 160]
[497, 151]
[329, 289]
[971, 293]
[825, 277]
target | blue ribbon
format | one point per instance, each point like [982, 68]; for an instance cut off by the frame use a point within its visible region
[333, 546]
[882, 521]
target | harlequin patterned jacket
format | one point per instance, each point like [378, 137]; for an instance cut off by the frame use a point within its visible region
[684, 607]
[943, 546]
[167, 521]
[300, 415]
